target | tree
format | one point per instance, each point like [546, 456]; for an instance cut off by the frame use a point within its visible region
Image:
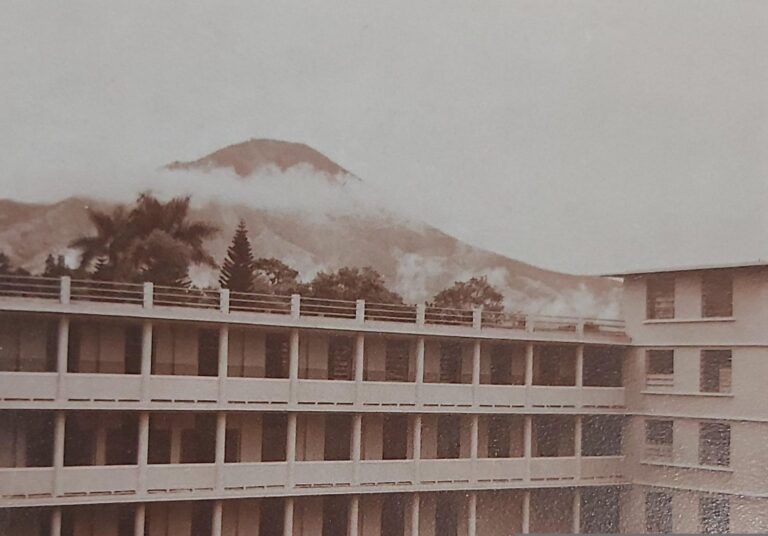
[7, 267]
[154, 241]
[281, 278]
[476, 292]
[237, 270]
[353, 284]
[56, 267]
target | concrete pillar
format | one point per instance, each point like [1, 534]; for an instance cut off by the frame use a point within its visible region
[416, 447]
[221, 436]
[580, 365]
[65, 289]
[290, 447]
[526, 528]
[472, 514]
[293, 364]
[357, 440]
[223, 362]
[476, 351]
[577, 436]
[415, 506]
[146, 359]
[528, 436]
[359, 357]
[62, 355]
[217, 518]
[56, 521]
[139, 519]
[58, 449]
[288, 517]
[529, 364]
[354, 513]
[142, 453]
[100, 452]
[576, 527]
[149, 295]
[420, 353]
[474, 436]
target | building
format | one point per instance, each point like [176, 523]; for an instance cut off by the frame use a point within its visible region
[133, 410]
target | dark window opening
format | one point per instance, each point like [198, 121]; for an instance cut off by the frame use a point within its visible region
[340, 358]
[450, 362]
[602, 367]
[660, 297]
[658, 513]
[717, 295]
[271, 516]
[601, 435]
[198, 444]
[393, 515]
[715, 514]
[232, 446]
[499, 436]
[396, 361]
[338, 434]
[159, 446]
[554, 436]
[202, 519]
[133, 344]
[448, 436]
[716, 371]
[122, 441]
[208, 352]
[274, 434]
[555, 366]
[714, 444]
[277, 348]
[446, 515]
[501, 365]
[660, 362]
[395, 432]
[335, 515]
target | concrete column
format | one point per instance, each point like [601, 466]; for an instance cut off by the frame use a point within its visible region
[415, 506]
[223, 362]
[357, 440]
[139, 519]
[58, 449]
[142, 453]
[529, 364]
[217, 518]
[354, 513]
[288, 517]
[576, 527]
[290, 447]
[580, 365]
[293, 364]
[577, 436]
[528, 436]
[100, 452]
[56, 521]
[417, 447]
[420, 353]
[474, 436]
[146, 359]
[476, 351]
[221, 435]
[62, 355]
[526, 529]
[359, 357]
[472, 514]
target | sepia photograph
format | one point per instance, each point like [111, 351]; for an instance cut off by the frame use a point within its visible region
[395, 268]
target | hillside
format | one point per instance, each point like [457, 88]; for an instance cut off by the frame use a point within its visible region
[416, 259]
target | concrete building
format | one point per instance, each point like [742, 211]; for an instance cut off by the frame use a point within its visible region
[133, 410]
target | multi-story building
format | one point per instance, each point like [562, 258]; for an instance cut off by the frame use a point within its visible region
[696, 440]
[133, 410]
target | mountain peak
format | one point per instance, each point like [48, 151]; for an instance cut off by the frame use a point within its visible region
[254, 155]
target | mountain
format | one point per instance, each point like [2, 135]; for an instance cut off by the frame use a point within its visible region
[252, 156]
[416, 259]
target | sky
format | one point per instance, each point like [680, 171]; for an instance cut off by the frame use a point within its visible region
[583, 136]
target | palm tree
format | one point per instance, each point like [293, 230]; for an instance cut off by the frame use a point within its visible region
[155, 242]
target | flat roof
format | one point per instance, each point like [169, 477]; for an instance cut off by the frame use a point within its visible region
[751, 264]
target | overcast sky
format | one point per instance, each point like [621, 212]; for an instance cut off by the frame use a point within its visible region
[580, 136]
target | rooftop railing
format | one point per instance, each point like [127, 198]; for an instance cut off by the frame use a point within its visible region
[66, 290]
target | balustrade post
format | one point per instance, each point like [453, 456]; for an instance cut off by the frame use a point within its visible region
[295, 306]
[65, 289]
[477, 318]
[421, 314]
[360, 311]
[149, 295]
[224, 300]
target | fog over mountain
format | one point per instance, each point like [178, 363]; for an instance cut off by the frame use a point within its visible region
[313, 214]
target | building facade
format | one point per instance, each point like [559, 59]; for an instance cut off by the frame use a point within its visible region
[141, 410]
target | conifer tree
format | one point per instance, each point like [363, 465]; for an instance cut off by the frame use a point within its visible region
[237, 270]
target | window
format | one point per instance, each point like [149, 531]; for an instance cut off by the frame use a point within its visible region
[396, 361]
[659, 438]
[714, 514]
[271, 517]
[714, 444]
[602, 367]
[501, 365]
[276, 355]
[659, 368]
[499, 437]
[450, 362]
[715, 371]
[658, 512]
[159, 446]
[208, 352]
[717, 295]
[448, 436]
[232, 446]
[273, 437]
[601, 435]
[660, 297]
[393, 515]
[133, 344]
[338, 434]
[446, 515]
[395, 432]
[335, 515]
[340, 366]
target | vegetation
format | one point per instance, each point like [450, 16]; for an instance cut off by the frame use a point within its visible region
[353, 284]
[475, 292]
[56, 267]
[154, 241]
[238, 269]
[278, 277]
[7, 268]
